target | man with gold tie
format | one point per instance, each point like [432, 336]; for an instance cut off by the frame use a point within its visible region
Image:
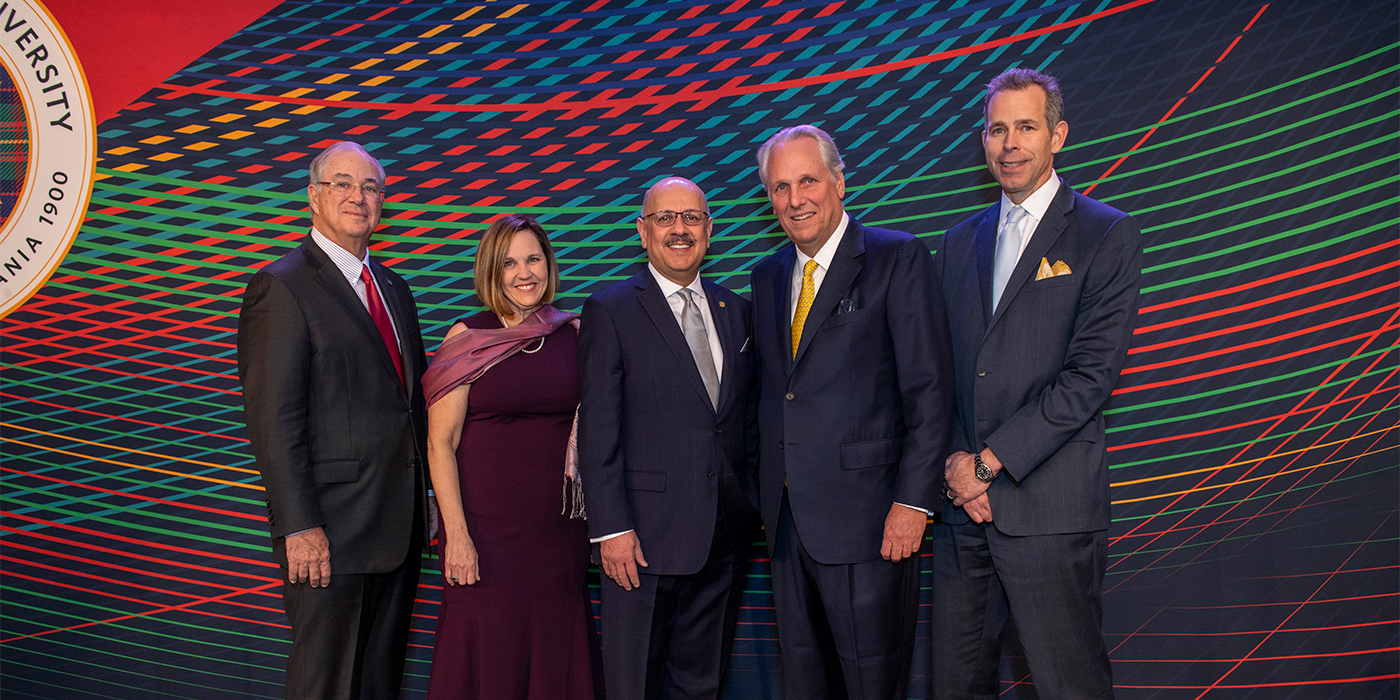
[855, 402]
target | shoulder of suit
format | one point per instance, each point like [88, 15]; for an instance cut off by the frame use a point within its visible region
[291, 263]
[617, 290]
[773, 259]
[1094, 218]
[970, 225]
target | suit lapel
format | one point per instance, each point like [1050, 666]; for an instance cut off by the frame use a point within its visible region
[649, 295]
[845, 265]
[335, 284]
[782, 291]
[986, 243]
[1055, 221]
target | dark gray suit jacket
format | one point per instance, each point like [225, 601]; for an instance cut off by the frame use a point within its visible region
[1033, 377]
[860, 419]
[339, 441]
[654, 455]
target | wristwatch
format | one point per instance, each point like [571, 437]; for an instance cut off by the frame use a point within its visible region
[983, 472]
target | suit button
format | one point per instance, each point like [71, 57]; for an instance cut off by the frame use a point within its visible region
[780, 444]
[409, 463]
[981, 372]
[790, 396]
[712, 476]
[717, 431]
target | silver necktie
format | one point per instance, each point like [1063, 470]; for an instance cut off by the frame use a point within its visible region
[1008, 253]
[693, 325]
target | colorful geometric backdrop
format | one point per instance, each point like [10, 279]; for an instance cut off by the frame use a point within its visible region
[1254, 546]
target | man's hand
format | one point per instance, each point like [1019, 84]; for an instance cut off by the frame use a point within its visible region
[904, 532]
[621, 555]
[309, 558]
[960, 474]
[979, 509]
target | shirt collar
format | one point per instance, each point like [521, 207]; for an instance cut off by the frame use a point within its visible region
[828, 249]
[344, 260]
[668, 287]
[1037, 204]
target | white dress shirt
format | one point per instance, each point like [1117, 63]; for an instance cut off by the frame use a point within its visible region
[823, 258]
[1035, 205]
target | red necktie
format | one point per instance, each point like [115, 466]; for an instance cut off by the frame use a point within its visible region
[381, 320]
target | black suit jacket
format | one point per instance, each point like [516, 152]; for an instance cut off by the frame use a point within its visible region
[1033, 377]
[339, 441]
[654, 455]
[860, 419]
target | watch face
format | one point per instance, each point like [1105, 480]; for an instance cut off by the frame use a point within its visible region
[983, 472]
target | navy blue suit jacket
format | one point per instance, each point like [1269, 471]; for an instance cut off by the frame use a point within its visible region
[860, 419]
[654, 455]
[1032, 378]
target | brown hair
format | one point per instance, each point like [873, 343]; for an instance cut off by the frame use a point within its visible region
[489, 269]
[1024, 78]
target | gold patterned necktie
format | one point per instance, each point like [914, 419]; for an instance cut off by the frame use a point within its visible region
[804, 304]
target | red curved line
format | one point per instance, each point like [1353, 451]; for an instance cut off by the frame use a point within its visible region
[687, 94]
[1247, 365]
[1188, 359]
[133, 375]
[1215, 313]
[1269, 280]
[145, 544]
[1280, 416]
[139, 497]
[1371, 291]
[109, 416]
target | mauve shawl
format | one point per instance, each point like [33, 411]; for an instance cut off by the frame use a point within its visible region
[464, 357]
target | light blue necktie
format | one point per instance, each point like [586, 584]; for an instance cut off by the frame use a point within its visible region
[1008, 253]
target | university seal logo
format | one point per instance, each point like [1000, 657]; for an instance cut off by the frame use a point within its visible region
[48, 148]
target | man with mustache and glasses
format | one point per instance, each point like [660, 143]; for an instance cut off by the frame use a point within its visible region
[666, 451]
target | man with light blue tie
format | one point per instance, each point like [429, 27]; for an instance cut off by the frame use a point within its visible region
[666, 450]
[1041, 291]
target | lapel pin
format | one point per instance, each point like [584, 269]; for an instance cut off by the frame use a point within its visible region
[721, 305]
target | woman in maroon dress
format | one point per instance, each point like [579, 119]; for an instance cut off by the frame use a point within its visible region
[515, 620]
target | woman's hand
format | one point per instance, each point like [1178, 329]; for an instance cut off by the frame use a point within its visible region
[459, 562]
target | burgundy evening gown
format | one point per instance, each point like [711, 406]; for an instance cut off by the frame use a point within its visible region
[525, 630]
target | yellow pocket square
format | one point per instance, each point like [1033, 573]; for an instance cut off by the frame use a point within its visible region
[1047, 270]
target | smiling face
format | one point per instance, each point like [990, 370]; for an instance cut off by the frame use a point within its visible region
[805, 195]
[1020, 146]
[347, 218]
[524, 274]
[677, 250]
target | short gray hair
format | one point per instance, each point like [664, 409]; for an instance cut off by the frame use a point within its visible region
[318, 163]
[831, 156]
[1021, 79]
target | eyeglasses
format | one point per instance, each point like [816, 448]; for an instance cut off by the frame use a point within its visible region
[690, 217]
[343, 188]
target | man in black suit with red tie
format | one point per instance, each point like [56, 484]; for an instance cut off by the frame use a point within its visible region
[1042, 293]
[666, 447]
[330, 357]
[855, 404]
